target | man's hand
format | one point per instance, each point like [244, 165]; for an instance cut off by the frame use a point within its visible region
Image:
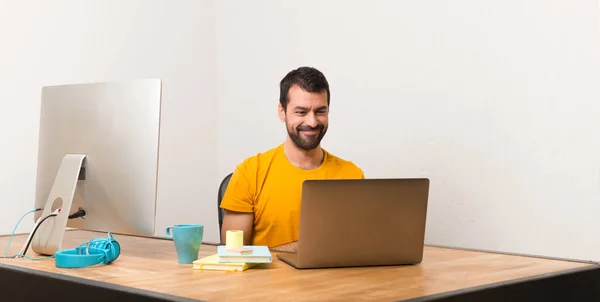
[237, 221]
[291, 247]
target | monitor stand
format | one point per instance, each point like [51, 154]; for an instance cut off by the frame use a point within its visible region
[48, 238]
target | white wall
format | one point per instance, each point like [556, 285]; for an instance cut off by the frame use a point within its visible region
[496, 102]
[61, 42]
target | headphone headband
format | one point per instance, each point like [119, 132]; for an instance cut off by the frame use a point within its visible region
[93, 252]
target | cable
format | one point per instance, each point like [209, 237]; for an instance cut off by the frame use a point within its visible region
[29, 237]
[15, 229]
[79, 213]
[31, 258]
[103, 244]
[54, 214]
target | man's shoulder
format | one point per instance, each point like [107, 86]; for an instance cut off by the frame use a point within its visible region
[347, 166]
[253, 163]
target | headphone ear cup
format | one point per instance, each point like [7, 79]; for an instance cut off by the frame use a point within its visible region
[117, 247]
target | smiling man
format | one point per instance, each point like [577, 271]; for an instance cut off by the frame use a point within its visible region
[263, 195]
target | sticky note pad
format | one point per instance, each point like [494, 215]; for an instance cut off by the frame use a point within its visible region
[240, 251]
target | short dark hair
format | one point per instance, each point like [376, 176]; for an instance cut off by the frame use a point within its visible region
[308, 78]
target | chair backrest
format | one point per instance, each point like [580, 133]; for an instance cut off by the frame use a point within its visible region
[222, 189]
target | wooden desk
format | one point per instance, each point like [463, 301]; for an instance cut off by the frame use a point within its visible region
[149, 267]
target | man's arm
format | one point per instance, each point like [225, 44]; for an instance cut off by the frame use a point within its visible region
[237, 221]
[238, 203]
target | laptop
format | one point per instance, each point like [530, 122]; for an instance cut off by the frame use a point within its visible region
[360, 222]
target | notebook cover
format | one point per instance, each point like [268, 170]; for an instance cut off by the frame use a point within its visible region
[260, 254]
[212, 263]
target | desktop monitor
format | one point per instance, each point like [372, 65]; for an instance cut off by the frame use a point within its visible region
[98, 151]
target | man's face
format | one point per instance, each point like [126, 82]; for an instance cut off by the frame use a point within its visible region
[306, 117]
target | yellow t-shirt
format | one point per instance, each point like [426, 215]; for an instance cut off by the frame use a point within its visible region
[268, 185]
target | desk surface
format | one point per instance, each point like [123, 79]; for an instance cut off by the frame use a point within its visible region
[150, 264]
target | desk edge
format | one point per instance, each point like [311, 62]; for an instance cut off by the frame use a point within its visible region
[500, 284]
[7, 268]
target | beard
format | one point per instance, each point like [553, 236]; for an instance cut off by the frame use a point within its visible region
[308, 142]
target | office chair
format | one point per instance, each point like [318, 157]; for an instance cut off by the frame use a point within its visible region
[222, 188]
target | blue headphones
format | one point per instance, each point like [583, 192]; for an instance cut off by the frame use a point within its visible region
[95, 251]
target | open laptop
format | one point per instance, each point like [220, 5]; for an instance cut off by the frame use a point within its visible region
[360, 222]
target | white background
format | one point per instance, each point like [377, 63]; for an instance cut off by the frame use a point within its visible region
[61, 42]
[495, 102]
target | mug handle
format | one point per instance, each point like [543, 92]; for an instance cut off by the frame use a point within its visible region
[168, 231]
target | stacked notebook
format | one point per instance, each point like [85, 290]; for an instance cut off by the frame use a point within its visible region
[235, 260]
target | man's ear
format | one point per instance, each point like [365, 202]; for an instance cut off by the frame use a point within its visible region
[281, 112]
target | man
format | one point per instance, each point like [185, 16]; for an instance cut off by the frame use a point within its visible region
[263, 195]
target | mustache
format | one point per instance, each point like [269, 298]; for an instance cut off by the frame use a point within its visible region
[308, 128]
